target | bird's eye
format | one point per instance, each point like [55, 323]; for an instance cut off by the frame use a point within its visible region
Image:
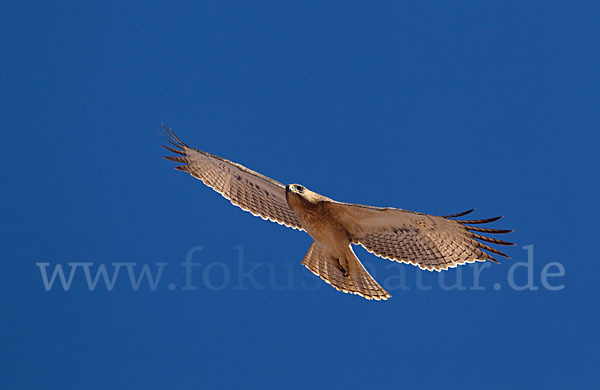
[300, 189]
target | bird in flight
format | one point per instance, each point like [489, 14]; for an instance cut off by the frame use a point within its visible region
[427, 241]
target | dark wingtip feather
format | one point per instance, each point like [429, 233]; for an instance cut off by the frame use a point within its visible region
[486, 230]
[476, 236]
[178, 159]
[175, 137]
[173, 150]
[459, 214]
[171, 140]
[491, 258]
[491, 240]
[172, 137]
[488, 248]
[478, 221]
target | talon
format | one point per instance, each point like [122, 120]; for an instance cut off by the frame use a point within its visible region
[342, 269]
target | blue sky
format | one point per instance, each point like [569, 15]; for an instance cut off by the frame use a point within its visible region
[430, 106]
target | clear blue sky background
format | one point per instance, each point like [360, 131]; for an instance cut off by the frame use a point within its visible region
[429, 106]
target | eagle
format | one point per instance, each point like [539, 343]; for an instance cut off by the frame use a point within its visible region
[428, 241]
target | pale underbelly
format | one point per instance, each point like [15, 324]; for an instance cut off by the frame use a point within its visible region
[330, 235]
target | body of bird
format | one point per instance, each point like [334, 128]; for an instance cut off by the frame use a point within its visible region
[318, 219]
[428, 241]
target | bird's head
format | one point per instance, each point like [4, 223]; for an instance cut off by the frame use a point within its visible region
[295, 189]
[296, 193]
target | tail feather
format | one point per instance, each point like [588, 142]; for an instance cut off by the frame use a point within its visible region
[356, 279]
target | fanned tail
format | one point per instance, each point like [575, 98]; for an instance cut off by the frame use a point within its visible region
[355, 279]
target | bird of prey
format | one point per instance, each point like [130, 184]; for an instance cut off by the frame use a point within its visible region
[428, 241]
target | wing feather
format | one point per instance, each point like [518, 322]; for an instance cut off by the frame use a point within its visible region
[243, 187]
[428, 241]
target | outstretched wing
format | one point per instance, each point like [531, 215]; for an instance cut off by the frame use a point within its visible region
[251, 191]
[431, 242]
